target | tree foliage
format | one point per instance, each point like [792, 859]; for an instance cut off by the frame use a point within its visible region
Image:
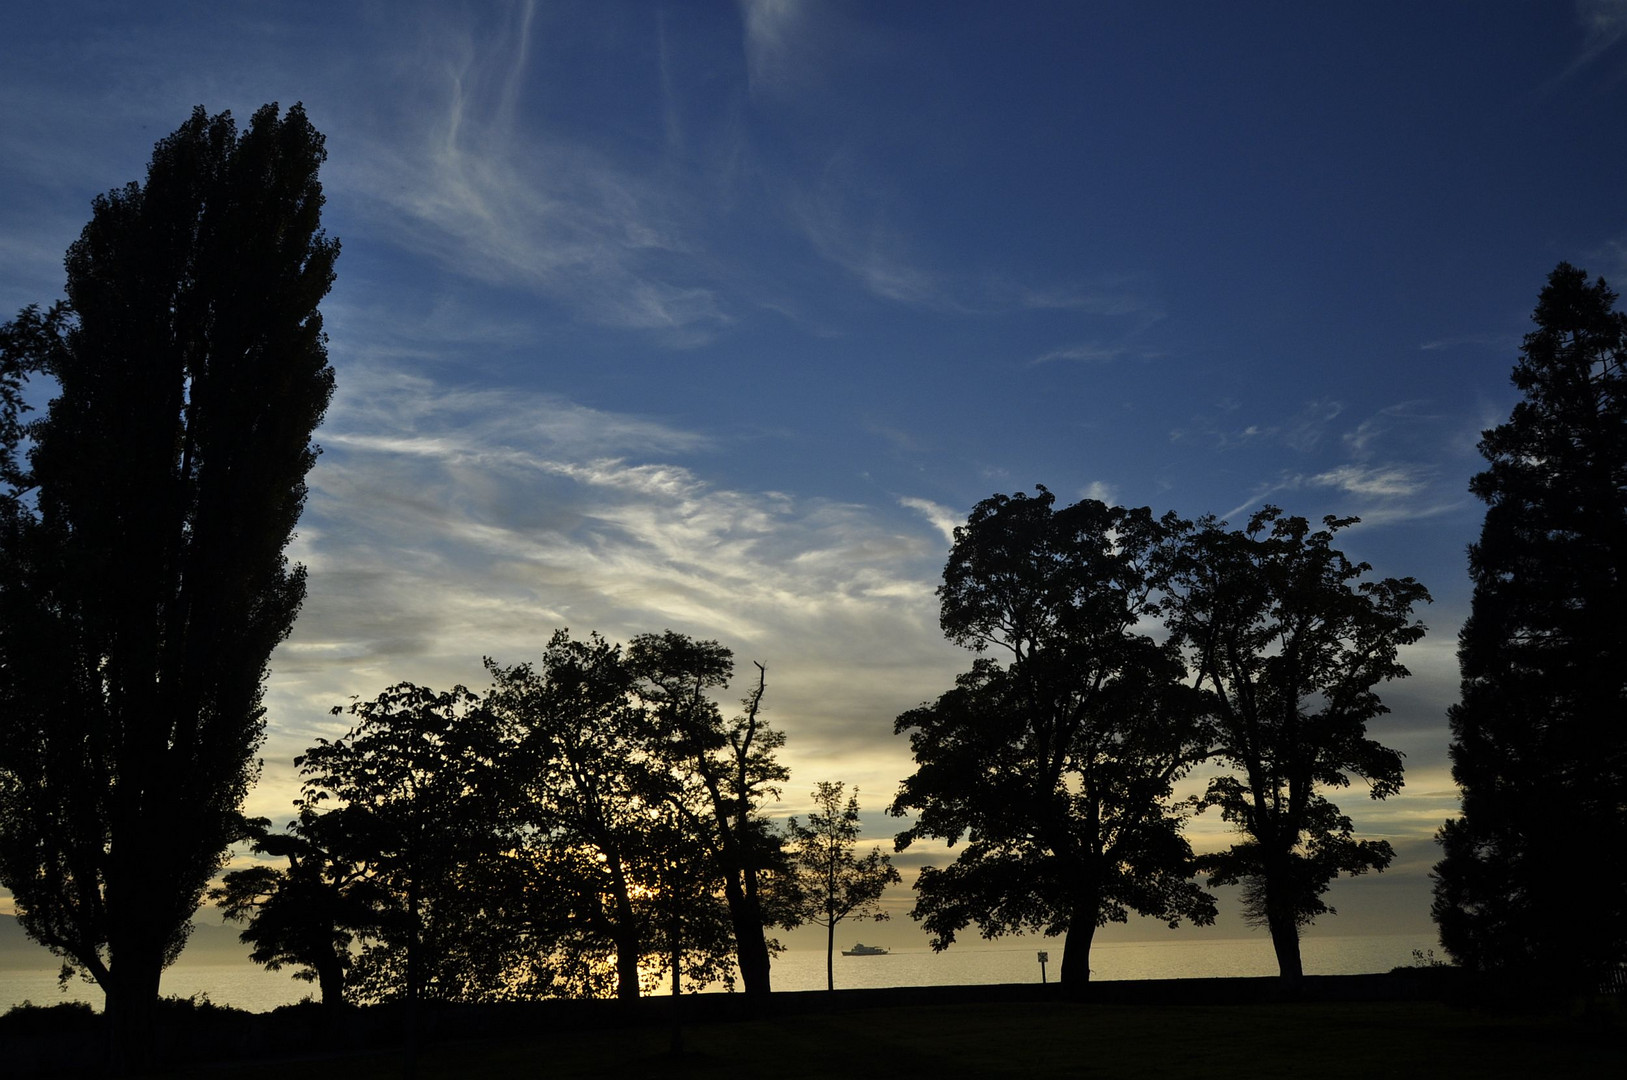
[832, 882]
[692, 933]
[582, 828]
[1531, 885]
[311, 913]
[142, 578]
[411, 783]
[1056, 766]
[724, 770]
[30, 345]
[1289, 645]
[583, 796]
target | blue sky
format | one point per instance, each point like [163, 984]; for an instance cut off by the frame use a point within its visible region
[718, 316]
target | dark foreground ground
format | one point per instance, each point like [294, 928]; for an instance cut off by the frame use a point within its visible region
[1193, 1030]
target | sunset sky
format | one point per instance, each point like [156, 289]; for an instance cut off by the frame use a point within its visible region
[719, 316]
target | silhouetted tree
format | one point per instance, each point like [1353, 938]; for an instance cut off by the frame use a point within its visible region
[725, 769]
[692, 934]
[1532, 885]
[1057, 767]
[1289, 644]
[832, 882]
[309, 913]
[584, 794]
[30, 344]
[412, 781]
[142, 582]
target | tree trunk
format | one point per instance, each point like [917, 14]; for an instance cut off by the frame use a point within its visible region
[1285, 940]
[624, 933]
[413, 959]
[139, 878]
[627, 967]
[1282, 919]
[750, 943]
[132, 1006]
[675, 1045]
[414, 976]
[1087, 904]
[330, 977]
[675, 928]
[1277, 875]
[830, 955]
[1075, 971]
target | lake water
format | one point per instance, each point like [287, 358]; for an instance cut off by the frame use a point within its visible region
[256, 989]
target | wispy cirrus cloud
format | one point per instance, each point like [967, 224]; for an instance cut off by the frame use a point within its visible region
[389, 403]
[1388, 467]
[1119, 309]
[1379, 495]
[1604, 26]
[1401, 420]
[1611, 257]
[1375, 482]
[845, 218]
[1302, 431]
[447, 524]
[1096, 353]
[1305, 431]
[34, 273]
[1083, 354]
[793, 48]
[1510, 341]
[847, 226]
[776, 33]
[1130, 299]
[457, 168]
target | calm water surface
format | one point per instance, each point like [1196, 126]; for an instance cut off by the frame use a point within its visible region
[254, 988]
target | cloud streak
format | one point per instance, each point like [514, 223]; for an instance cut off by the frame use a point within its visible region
[1391, 470]
[846, 226]
[444, 525]
[945, 520]
[775, 31]
[1604, 23]
[459, 171]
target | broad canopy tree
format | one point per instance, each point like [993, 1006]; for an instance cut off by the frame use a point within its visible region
[1056, 766]
[624, 794]
[407, 794]
[582, 794]
[143, 583]
[311, 913]
[1532, 887]
[1288, 645]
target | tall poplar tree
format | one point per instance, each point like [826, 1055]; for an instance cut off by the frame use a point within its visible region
[143, 582]
[1532, 885]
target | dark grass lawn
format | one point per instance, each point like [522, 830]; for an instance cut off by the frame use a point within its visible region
[1370, 1041]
